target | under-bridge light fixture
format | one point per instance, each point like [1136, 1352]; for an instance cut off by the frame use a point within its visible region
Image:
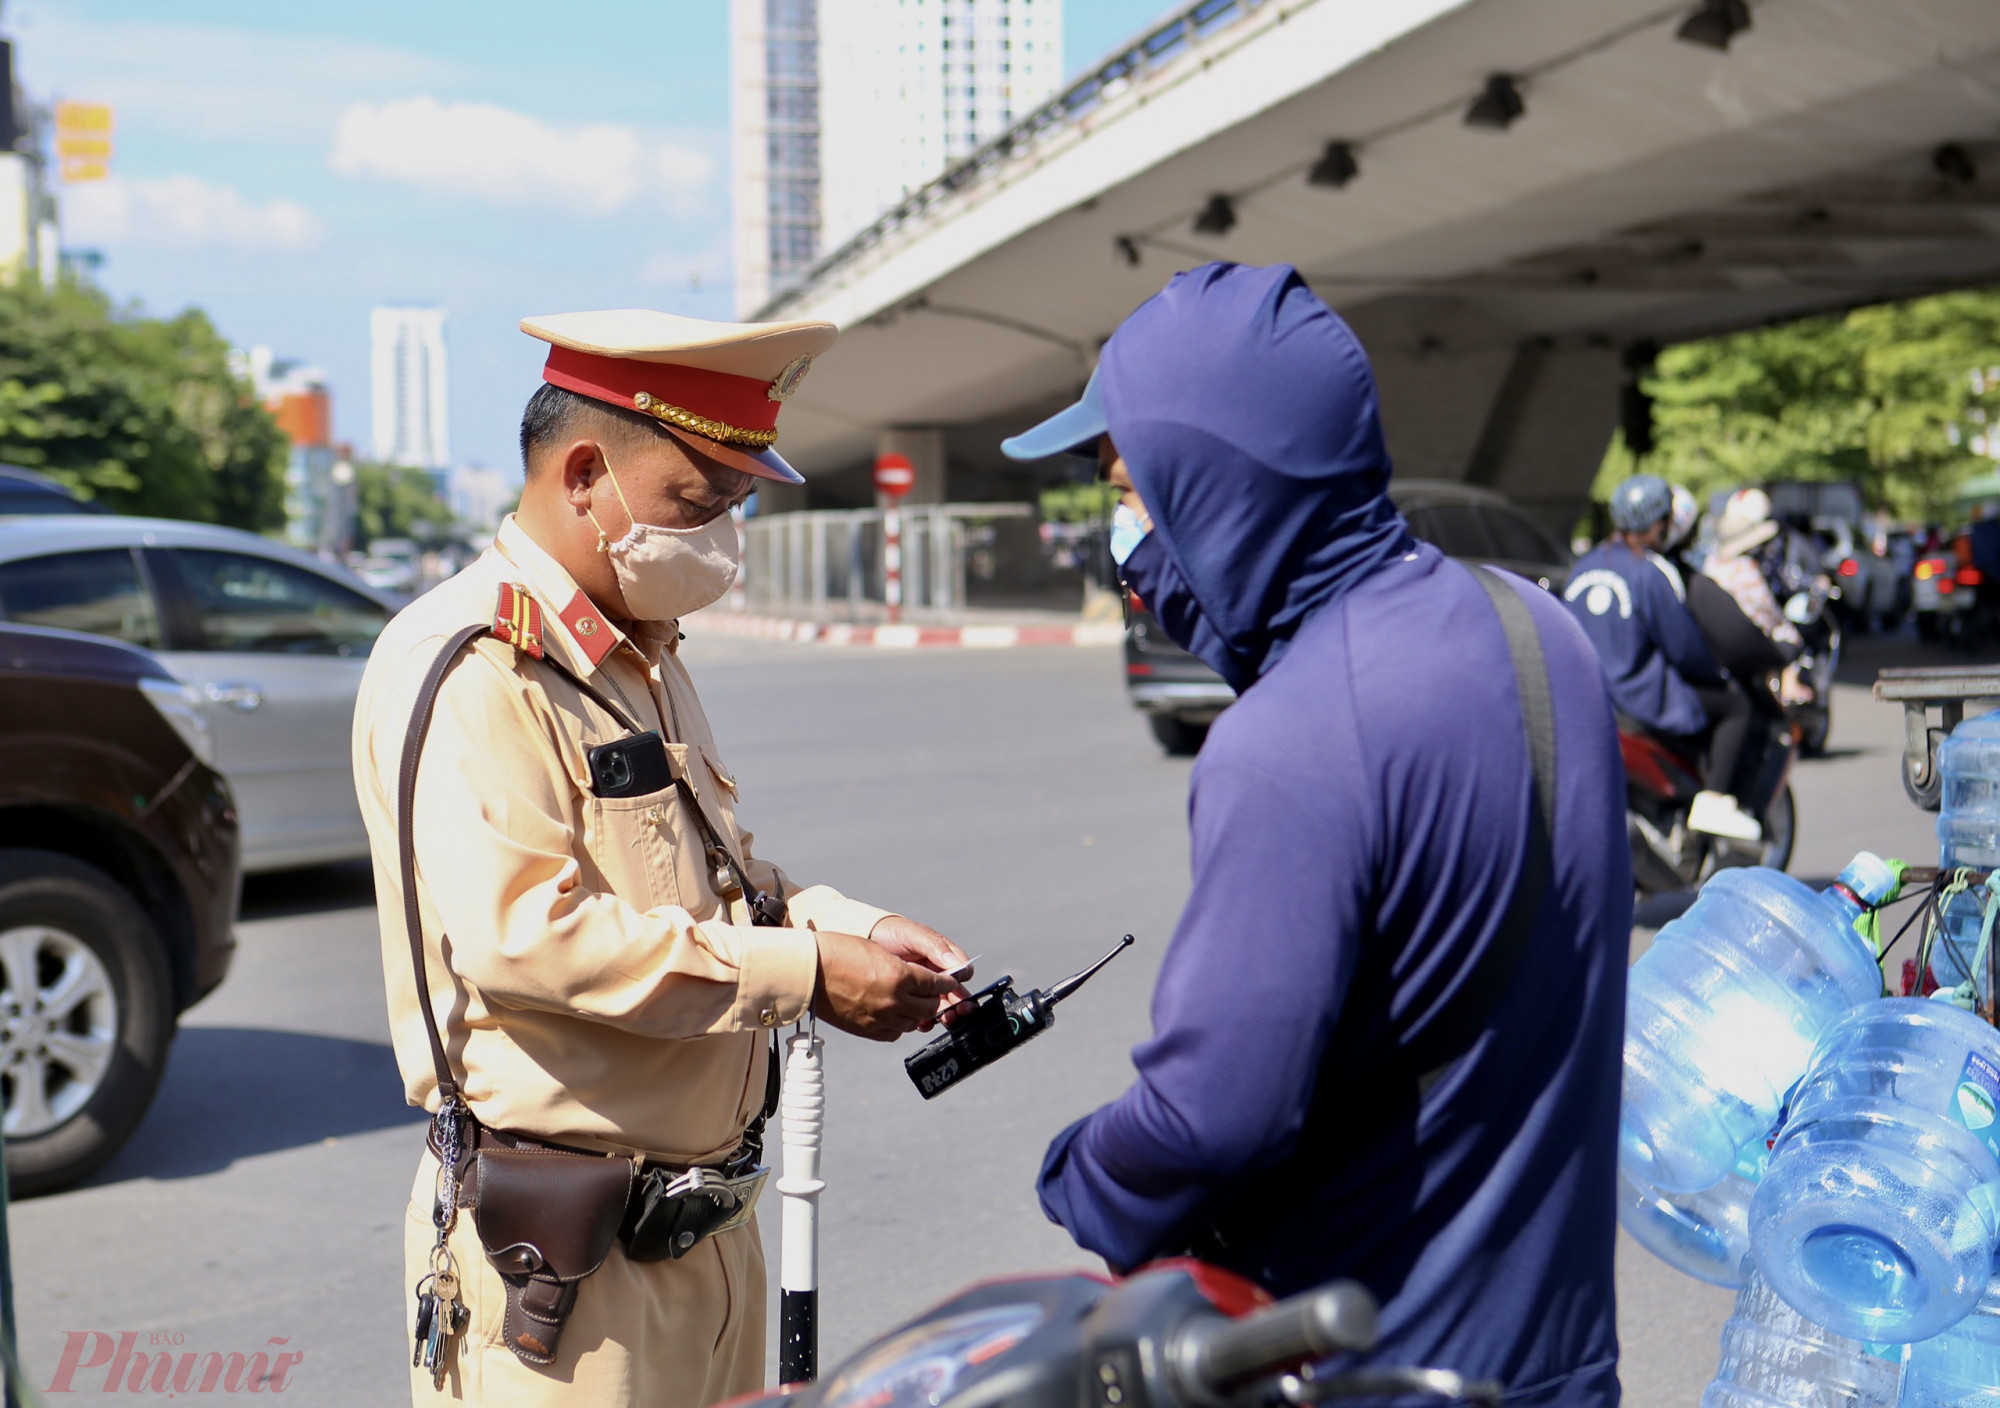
[1128, 250]
[1336, 166]
[1499, 106]
[1955, 164]
[1218, 217]
[1715, 23]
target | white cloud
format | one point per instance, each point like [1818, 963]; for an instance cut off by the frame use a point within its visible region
[498, 154]
[183, 210]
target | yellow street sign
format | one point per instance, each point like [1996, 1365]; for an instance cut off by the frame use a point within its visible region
[82, 118]
[83, 141]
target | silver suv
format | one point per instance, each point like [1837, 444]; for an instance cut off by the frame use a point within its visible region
[272, 639]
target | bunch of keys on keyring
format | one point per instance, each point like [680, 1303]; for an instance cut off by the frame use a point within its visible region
[441, 1317]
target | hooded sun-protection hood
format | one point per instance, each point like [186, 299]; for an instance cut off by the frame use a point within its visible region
[1246, 414]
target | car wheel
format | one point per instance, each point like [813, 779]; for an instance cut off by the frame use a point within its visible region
[87, 1007]
[1180, 737]
[1927, 625]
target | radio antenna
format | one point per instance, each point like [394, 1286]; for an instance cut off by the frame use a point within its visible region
[1070, 984]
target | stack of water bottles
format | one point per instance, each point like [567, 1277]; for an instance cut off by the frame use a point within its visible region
[1790, 1131]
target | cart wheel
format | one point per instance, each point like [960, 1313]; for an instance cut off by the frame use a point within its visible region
[1929, 796]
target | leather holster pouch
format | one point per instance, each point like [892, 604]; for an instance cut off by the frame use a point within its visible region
[546, 1220]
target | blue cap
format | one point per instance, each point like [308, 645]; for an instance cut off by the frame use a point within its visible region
[1073, 430]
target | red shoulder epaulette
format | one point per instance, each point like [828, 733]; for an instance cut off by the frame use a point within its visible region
[518, 620]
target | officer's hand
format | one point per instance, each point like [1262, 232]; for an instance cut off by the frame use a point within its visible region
[918, 943]
[927, 948]
[866, 990]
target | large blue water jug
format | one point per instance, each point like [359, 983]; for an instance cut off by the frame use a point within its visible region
[1880, 1212]
[1774, 1357]
[1723, 1011]
[1961, 1367]
[1705, 1234]
[1969, 836]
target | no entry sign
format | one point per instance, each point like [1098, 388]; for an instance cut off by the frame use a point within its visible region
[894, 475]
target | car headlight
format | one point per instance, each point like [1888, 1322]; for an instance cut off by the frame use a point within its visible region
[180, 705]
[920, 1367]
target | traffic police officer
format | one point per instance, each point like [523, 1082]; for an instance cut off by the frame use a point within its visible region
[590, 960]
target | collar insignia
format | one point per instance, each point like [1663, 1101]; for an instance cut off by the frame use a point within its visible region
[592, 634]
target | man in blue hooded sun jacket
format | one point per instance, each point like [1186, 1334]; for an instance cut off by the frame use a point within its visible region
[1360, 822]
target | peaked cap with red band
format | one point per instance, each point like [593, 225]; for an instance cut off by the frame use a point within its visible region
[717, 387]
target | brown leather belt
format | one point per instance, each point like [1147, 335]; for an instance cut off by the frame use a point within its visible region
[486, 1137]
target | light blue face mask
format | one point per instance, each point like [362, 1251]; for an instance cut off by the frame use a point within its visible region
[1127, 528]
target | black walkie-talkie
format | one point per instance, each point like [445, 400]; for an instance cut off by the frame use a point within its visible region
[991, 1023]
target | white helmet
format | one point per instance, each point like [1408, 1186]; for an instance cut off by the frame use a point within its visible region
[1680, 522]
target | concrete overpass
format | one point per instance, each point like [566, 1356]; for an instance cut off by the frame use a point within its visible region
[1506, 273]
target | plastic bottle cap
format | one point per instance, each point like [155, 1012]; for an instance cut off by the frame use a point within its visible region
[1872, 879]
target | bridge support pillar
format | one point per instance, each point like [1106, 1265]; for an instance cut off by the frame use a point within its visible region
[1467, 398]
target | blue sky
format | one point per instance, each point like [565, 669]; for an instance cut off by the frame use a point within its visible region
[287, 167]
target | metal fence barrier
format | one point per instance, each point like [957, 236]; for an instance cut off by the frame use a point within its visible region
[827, 563]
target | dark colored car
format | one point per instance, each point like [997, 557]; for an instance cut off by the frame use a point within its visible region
[118, 890]
[22, 491]
[1181, 696]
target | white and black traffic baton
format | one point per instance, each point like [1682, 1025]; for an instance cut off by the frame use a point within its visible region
[802, 1118]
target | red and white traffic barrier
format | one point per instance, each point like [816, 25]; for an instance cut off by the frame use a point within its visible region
[904, 636]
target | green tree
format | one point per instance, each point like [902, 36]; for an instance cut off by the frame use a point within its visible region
[143, 414]
[395, 501]
[1890, 396]
[1078, 503]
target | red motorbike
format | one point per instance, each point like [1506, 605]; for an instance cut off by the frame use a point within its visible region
[1175, 1335]
[1661, 779]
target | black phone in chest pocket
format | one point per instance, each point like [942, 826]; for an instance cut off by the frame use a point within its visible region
[630, 767]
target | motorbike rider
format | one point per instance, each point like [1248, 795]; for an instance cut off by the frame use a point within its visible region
[1738, 643]
[1363, 819]
[1746, 525]
[1658, 664]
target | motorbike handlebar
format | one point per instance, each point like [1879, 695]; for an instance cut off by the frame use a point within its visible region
[1299, 1390]
[1217, 1356]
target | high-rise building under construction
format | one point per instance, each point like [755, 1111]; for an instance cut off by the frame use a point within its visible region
[841, 108]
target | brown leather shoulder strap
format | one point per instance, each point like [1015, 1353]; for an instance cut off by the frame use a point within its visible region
[406, 842]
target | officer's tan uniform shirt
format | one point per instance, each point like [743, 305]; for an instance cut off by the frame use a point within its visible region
[589, 985]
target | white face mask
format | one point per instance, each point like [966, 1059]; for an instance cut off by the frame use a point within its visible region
[1127, 528]
[668, 573]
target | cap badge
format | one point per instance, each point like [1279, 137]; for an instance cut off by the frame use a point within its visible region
[787, 381]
